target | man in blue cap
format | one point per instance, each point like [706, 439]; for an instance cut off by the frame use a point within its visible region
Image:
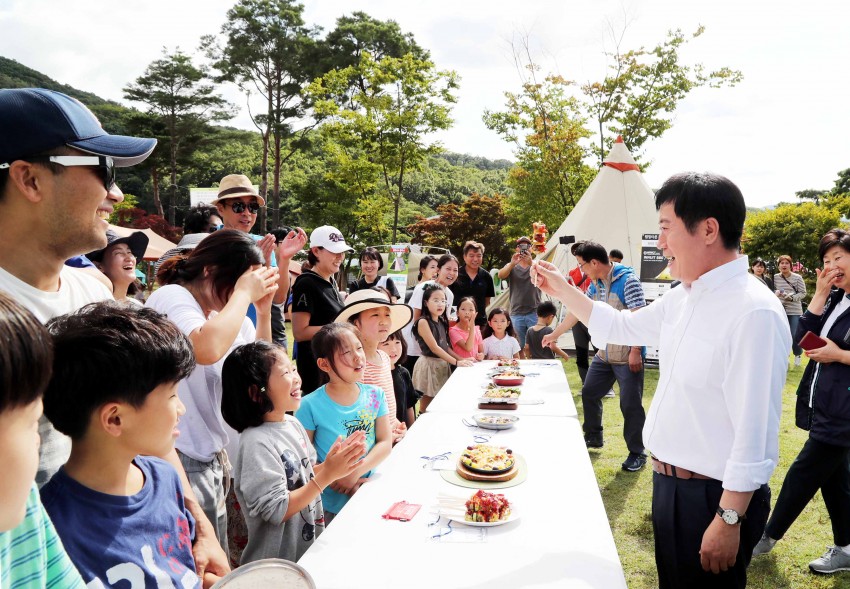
[57, 187]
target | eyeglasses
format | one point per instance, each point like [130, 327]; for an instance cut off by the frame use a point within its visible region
[104, 164]
[239, 206]
[214, 228]
[582, 265]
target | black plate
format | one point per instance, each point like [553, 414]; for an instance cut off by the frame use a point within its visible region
[483, 471]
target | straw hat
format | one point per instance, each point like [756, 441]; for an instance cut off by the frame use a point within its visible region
[367, 298]
[234, 186]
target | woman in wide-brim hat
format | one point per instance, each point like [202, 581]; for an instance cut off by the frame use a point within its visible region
[118, 262]
[376, 316]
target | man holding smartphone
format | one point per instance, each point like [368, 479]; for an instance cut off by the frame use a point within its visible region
[524, 296]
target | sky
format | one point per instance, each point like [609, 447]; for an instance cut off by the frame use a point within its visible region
[784, 128]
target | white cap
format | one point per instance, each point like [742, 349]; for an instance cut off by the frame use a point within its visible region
[329, 238]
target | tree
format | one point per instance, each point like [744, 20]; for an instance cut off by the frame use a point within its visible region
[636, 100]
[269, 51]
[546, 126]
[173, 88]
[358, 34]
[385, 127]
[482, 218]
[792, 229]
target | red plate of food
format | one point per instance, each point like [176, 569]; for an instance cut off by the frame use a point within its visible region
[509, 379]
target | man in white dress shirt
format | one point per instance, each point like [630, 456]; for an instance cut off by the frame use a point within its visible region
[713, 425]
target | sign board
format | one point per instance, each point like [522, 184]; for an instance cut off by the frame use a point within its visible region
[654, 277]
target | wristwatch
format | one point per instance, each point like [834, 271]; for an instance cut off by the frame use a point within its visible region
[730, 516]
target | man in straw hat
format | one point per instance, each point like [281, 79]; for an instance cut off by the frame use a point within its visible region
[238, 204]
[57, 186]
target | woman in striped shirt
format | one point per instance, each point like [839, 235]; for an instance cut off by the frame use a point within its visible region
[373, 313]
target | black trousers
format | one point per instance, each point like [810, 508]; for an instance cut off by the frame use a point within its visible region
[681, 513]
[581, 338]
[817, 466]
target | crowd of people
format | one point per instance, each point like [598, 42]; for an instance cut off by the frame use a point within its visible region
[180, 434]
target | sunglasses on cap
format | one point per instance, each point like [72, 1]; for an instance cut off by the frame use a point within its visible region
[104, 164]
[239, 206]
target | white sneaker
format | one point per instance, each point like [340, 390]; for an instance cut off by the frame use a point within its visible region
[797, 360]
[609, 394]
[764, 546]
[832, 561]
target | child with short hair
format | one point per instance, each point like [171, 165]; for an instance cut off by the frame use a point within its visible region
[342, 406]
[534, 347]
[119, 510]
[406, 395]
[500, 340]
[278, 482]
[31, 554]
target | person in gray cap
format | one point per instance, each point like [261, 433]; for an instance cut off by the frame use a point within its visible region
[57, 187]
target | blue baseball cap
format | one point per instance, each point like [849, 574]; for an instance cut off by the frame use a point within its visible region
[35, 120]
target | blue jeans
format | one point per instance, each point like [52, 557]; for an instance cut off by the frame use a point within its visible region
[521, 324]
[793, 321]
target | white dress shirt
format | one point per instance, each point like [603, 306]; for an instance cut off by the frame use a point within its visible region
[723, 355]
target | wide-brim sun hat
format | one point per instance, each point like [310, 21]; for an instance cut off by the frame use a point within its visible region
[367, 298]
[137, 242]
[235, 186]
[35, 120]
[329, 238]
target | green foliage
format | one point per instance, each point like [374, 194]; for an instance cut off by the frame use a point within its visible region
[269, 52]
[180, 106]
[546, 125]
[638, 97]
[441, 181]
[358, 34]
[381, 136]
[479, 217]
[792, 229]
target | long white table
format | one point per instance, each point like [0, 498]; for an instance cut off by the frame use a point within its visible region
[545, 382]
[561, 539]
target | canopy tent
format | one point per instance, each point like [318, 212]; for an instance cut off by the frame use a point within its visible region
[157, 245]
[615, 211]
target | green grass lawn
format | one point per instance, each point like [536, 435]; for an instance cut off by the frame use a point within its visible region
[627, 498]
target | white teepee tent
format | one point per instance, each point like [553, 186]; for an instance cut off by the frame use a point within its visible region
[615, 211]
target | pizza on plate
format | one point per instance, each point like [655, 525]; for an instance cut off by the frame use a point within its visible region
[487, 458]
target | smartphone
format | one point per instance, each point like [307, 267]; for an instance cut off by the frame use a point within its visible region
[810, 341]
[523, 249]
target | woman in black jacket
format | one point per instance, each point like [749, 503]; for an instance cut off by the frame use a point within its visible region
[823, 408]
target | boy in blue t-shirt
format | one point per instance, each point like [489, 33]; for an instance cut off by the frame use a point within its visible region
[119, 510]
[31, 554]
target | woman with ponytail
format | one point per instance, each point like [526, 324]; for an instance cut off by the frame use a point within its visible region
[206, 294]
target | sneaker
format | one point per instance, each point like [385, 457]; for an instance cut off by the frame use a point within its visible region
[797, 360]
[764, 546]
[634, 462]
[832, 561]
[609, 394]
[593, 442]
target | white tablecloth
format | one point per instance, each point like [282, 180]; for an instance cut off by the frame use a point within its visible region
[561, 539]
[545, 382]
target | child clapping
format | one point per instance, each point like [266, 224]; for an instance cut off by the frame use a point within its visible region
[278, 482]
